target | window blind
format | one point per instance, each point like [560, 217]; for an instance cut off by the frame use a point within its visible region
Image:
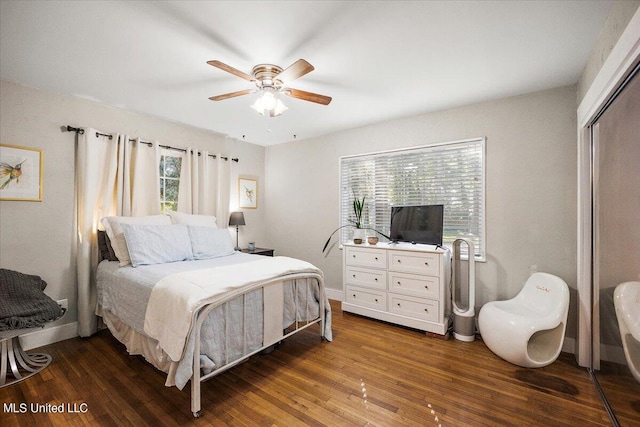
[451, 174]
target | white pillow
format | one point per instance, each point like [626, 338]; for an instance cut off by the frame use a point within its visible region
[157, 244]
[189, 219]
[114, 231]
[210, 242]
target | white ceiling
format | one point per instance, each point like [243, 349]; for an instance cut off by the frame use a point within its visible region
[378, 60]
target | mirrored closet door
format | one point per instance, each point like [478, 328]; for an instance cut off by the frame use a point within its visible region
[616, 243]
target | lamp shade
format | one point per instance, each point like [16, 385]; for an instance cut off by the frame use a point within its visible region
[236, 218]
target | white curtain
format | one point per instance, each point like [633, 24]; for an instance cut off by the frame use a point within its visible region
[142, 179]
[223, 175]
[113, 177]
[204, 185]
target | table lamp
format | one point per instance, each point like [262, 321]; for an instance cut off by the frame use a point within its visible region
[237, 219]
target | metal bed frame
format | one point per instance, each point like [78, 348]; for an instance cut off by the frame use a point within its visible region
[273, 325]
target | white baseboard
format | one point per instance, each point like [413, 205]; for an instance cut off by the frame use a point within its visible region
[569, 345]
[609, 353]
[612, 353]
[48, 336]
[335, 294]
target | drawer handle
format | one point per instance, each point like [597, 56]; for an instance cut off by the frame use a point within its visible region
[354, 295]
[426, 286]
[399, 284]
[398, 304]
[354, 275]
[354, 256]
[426, 263]
[376, 279]
[426, 309]
[398, 261]
[376, 258]
[376, 299]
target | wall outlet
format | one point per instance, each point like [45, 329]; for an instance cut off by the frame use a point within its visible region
[64, 303]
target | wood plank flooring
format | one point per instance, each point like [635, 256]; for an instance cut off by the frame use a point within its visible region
[372, 374]
[622, 390]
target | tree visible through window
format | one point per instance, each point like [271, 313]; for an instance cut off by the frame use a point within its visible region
[169, 182]
[450, 174]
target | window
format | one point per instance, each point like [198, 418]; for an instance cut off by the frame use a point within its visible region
[169, 181]
[451, 174]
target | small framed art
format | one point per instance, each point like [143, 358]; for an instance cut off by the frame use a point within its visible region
[247, 193]
[20, 173]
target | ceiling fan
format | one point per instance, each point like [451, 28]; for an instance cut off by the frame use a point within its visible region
[271, 80]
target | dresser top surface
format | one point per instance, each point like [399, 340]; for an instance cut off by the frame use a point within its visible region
[400, 246]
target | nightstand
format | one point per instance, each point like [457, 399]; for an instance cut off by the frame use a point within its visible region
[259, 251]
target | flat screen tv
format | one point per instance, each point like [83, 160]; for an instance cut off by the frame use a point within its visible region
[417, 224]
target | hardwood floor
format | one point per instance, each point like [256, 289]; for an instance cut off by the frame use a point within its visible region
[622, 391]
[371, 374]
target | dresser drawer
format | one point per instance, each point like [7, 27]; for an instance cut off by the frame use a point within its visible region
[364, 257]
[412, 284]
[418, 308]
[414, 262]
[366, 298]
[369, 278]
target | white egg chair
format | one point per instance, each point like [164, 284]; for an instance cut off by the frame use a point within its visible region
[626, 299]
[528, 330]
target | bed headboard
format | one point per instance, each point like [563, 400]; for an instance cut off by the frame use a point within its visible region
[105, 251]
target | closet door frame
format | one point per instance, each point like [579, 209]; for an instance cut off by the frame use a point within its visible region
[622, 59]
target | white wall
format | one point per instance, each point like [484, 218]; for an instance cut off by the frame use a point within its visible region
[530, 190]
[38, 237]
[616, 22]
[251, 165]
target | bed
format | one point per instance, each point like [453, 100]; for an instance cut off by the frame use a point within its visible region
[198, 316]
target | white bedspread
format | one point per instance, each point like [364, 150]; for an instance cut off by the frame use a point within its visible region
[175, 298]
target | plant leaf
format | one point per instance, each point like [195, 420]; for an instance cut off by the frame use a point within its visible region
[324, 248]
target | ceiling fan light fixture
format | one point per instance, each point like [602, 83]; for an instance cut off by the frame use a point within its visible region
[258, 106]
[269, 104]
[268, 99]
[280, 108]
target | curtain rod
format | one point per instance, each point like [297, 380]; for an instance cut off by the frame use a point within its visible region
[168, 147]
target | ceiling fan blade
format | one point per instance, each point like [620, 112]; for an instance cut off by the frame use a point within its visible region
[307, 96]
[230, 69]
[295, 71]
[232, 94]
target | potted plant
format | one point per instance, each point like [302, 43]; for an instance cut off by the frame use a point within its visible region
[359, 232]
[358, 207]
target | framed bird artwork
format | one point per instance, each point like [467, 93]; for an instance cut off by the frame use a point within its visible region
[20, 173]
[247, 193]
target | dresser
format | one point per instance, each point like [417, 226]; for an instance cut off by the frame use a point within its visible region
[401, 283]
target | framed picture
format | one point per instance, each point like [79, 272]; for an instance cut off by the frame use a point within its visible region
[20, 173]
[247, 193]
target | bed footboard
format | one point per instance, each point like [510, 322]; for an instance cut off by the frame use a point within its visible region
[273, 320]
